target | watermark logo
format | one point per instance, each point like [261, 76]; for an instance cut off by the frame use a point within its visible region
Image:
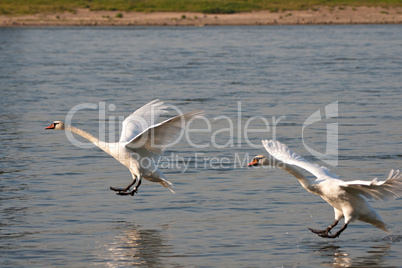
[331, 152]
[222, 132]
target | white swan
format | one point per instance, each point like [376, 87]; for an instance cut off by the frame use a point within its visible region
[347, 197]
[141, 142]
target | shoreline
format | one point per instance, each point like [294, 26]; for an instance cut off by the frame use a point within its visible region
[322, 15]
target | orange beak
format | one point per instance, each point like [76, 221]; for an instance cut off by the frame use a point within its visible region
[253, 163]
[50, 127]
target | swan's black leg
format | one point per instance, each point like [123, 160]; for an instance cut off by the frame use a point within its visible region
[124, 191]
[133, 191]
[324, 233]
[337, 233]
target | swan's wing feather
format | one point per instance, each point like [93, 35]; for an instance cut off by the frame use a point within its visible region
[380, 190]
[282, 152]
[141, 119]
[157, 137]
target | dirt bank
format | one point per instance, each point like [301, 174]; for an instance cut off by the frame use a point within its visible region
[323, 15]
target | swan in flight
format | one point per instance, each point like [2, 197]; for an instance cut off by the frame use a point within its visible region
[347, 197]
[141, 142]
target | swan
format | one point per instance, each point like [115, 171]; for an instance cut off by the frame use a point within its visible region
[347, 197]
[141, 142]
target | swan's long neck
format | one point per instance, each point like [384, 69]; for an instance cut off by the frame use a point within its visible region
[101, 144]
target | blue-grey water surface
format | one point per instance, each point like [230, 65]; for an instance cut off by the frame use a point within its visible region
[56, 208]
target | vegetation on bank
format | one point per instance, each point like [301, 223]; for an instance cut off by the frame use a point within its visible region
[19, 7]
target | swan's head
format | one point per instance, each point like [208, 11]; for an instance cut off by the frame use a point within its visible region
[260, 160]
[59, 125]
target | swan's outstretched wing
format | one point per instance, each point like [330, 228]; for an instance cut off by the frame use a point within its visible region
[282, 152]
[380, 190]
[141, 119]
[157, 137]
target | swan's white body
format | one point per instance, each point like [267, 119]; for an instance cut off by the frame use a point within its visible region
[347, 197]
[141, 142]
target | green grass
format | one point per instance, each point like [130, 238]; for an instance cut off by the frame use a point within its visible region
[17, 7]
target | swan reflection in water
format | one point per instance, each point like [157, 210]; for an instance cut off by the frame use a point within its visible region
[137, 246]
[340, 256]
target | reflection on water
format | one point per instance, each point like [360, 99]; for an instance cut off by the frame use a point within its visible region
[337, 255]
[340, 258]
[137, 246]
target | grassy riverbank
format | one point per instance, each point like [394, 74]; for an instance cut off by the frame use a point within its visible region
[24, 7]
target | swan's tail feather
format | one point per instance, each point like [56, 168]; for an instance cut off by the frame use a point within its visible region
[381, 225]
[160, 178]
[168, 185]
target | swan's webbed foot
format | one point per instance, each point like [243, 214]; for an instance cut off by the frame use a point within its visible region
[332, 236]
[116, 189]
[132, 192]
[322, 233]
[325, 233]
[126, 191]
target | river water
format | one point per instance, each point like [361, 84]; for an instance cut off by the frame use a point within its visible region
[332, 93]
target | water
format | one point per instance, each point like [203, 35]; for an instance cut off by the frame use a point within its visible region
[56, 208]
